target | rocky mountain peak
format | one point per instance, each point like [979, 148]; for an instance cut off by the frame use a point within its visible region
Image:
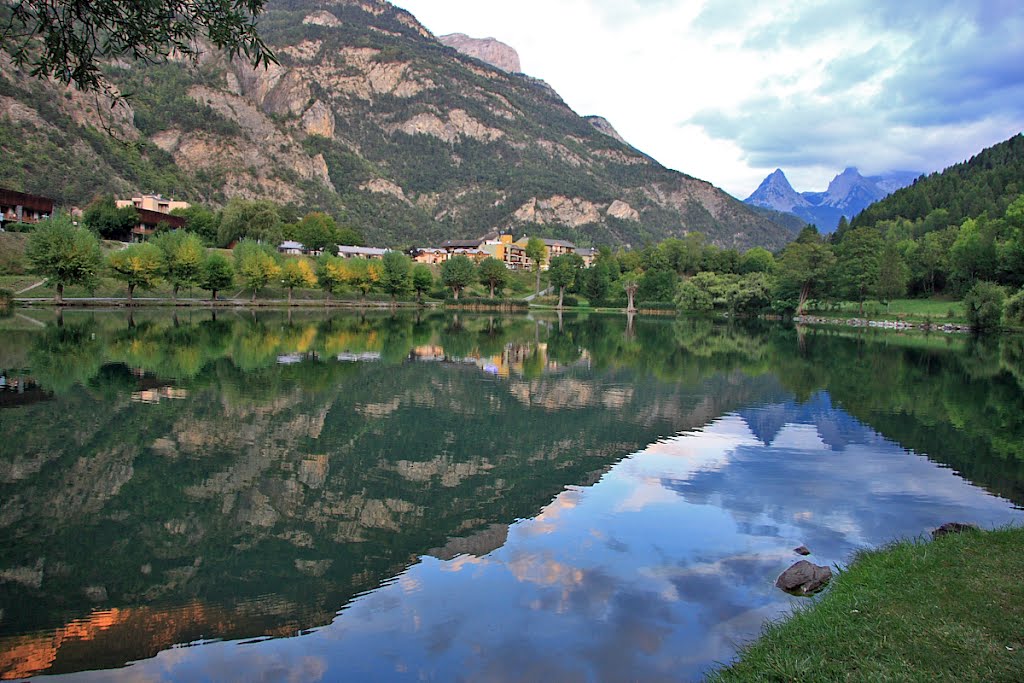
[488, 50]
[775, 192]
[602, 124]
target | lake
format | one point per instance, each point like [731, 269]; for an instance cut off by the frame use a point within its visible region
[239, 496]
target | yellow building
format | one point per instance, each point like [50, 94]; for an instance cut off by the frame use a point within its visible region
[152, 202]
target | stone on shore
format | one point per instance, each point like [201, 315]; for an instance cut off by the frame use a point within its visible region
[804, 578]
[954, 528]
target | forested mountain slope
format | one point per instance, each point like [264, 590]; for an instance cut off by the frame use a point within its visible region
[368, 117]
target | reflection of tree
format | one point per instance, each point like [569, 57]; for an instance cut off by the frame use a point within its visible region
[66, 355]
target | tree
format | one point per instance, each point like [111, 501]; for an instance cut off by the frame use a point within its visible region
[217, 274]
[362, 273]
[857, 261]
[631, 283]
[422, 280]
[256, 264]
[139, 265]
[493, 273]
[297, 272]
[183, 255]
[803, 272]
[596, 283]
[63, 254]
[1013, 312]
[350, 237]
[330, 273]
[317, 231]
[106, 220]
[258, 220]
[537, 253]
[458, 272]
[984, 305]
[563, 272]
[757, 260]
[71, 40]
[892, 274]
[200, 221]
[395, 278]
[658, 285]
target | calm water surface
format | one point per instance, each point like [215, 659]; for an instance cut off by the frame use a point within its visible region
[439, 497]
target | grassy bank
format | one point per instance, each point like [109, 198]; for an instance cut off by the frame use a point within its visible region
[937, 310]
[947, 610]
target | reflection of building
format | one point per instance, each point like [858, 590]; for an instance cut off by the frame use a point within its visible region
[19, 207]
[158, 394]
[152, 202]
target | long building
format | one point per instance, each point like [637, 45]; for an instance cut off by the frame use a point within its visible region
[21, 207]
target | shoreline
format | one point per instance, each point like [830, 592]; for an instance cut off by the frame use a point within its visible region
[948, 609]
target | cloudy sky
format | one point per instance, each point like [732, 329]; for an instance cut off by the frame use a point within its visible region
[728, 90]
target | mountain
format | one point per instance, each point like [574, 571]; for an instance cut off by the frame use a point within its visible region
[488, 50]
[848, 194]
[986, 183]
[368, 116]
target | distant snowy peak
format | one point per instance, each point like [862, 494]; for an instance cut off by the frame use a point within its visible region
[848, 194]
[775, 192]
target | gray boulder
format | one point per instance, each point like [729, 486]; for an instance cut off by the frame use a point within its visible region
[954, 528]
[804, 578]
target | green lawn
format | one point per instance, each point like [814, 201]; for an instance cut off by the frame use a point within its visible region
[949, 610]
[937, 309]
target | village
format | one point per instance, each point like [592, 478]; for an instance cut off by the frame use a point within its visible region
[155, 213]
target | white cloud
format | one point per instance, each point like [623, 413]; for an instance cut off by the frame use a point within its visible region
[727, 90]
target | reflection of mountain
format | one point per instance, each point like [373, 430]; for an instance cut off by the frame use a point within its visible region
[835, 428]
[308, 482]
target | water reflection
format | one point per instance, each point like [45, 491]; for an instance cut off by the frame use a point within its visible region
[455, 485]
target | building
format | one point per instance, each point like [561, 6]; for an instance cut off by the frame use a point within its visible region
[152, 202]
[552, 248]
[362, 252]
[20, 207]
[430, 255]
[291, 247]
[515, 257]
[588, 254]
[151, 221]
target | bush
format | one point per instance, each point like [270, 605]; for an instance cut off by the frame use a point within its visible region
[656, 306]
[6, 298]
[1013, 313]
[984, 305]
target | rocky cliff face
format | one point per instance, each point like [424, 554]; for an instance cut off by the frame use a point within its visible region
[372, 119]
[489, 50]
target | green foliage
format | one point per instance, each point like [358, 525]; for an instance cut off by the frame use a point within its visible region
[657, 285]
[757, 260]
[1013, 312]
[457, 273]
[803, 271]
[201, 221]
[297, 272]
[563, 272]
[494, 275]
[258, 220]
[64, 254]
[182, 257]
[893, 273]
[256, 264]
[984, 305]
[317, 231]
[595, 283]
[218, 274]
[396, 277]
[857, 266]
[139, 265]
[104, 218]
[422, 280]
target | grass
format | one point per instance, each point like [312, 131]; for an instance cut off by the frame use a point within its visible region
[948, 610]
[936, 309]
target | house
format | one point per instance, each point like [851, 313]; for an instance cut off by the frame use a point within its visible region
[552, 248]
[451, 245]
[152, 202]
[588, 254]
[291, 247]
[362, 252]
[430, 255]
[20, 207]
[151, 221]
[476, 255]
[515, 257]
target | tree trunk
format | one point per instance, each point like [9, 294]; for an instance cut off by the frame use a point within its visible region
[804, 293]
[538, 281]
[290, 297]
[213, 295]
[254, 295]
[492, 290]
[561, 297]
[455, 291]
[131, 290]
[174, 293]
[60, 293]
[629, 299]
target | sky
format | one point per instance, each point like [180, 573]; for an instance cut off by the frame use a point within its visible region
[730, 90]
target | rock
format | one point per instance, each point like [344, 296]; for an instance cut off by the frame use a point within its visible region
[623, 211]
[802, 550]
[804, 578]
[488, 50]
[954, 528]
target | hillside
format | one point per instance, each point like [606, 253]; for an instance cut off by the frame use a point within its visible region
[848, 194]
[986, 183]
[371, 118]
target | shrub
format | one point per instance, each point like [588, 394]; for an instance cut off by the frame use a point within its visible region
[656, 306]
[1013, 313]
[984, 305]
[6, 298]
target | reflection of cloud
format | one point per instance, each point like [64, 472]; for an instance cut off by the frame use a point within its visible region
[547, 521]
[644, 494]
